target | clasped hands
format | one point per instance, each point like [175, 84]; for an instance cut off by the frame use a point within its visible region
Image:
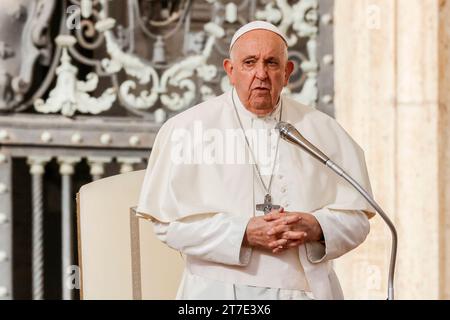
[281, 230]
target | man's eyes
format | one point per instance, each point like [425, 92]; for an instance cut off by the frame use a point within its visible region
[251, 62]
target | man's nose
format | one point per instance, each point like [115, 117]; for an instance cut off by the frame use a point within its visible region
[261, 71]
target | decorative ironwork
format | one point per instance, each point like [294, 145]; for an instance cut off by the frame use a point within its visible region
[173, 66]
[70, 95]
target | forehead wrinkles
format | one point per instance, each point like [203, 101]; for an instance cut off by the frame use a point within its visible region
[261, 43]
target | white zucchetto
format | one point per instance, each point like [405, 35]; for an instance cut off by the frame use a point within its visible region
[255, 25]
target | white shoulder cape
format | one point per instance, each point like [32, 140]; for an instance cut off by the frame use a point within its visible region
[173, 190]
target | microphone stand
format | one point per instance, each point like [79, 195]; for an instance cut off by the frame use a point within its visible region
[289, 133]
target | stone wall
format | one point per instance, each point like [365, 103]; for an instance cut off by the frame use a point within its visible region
[393, 95]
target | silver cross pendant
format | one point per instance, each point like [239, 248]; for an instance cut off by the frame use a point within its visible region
[267, 206]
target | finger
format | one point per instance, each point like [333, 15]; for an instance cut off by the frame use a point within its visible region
[277, 243]
[292, 219]
[278, 229]
[277, 250]
[275, 214]
[285, 218]
[280, 249]
[295, 243]
[294, 235]
[285, 221]
[288, 245]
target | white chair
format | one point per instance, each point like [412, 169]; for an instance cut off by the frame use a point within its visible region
[119, 255]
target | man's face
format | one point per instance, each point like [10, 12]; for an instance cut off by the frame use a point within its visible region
[259, 70]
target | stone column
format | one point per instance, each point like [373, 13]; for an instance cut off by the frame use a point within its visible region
[37, 170]
[97, 166]
[127, 163]
[444, 148]
[392, 95]
[66, 169]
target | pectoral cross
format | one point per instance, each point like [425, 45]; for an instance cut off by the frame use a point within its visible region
[267, 206]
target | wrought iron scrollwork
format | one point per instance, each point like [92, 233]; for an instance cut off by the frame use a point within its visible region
[150, 58]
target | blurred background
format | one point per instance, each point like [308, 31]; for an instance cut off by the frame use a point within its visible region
[86, 84]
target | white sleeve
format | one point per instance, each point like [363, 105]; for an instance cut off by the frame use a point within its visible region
[216, 238]
[343, 231]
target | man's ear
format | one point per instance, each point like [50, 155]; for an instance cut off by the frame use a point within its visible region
[228, 67]
[288, 71]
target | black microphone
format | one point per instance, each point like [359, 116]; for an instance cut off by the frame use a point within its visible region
[290, 134]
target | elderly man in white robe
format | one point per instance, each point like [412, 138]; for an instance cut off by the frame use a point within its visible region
[269, 227]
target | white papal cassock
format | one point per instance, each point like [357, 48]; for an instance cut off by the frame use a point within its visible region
[202, 194]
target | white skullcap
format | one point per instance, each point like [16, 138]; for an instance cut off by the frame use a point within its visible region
[254, 25]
